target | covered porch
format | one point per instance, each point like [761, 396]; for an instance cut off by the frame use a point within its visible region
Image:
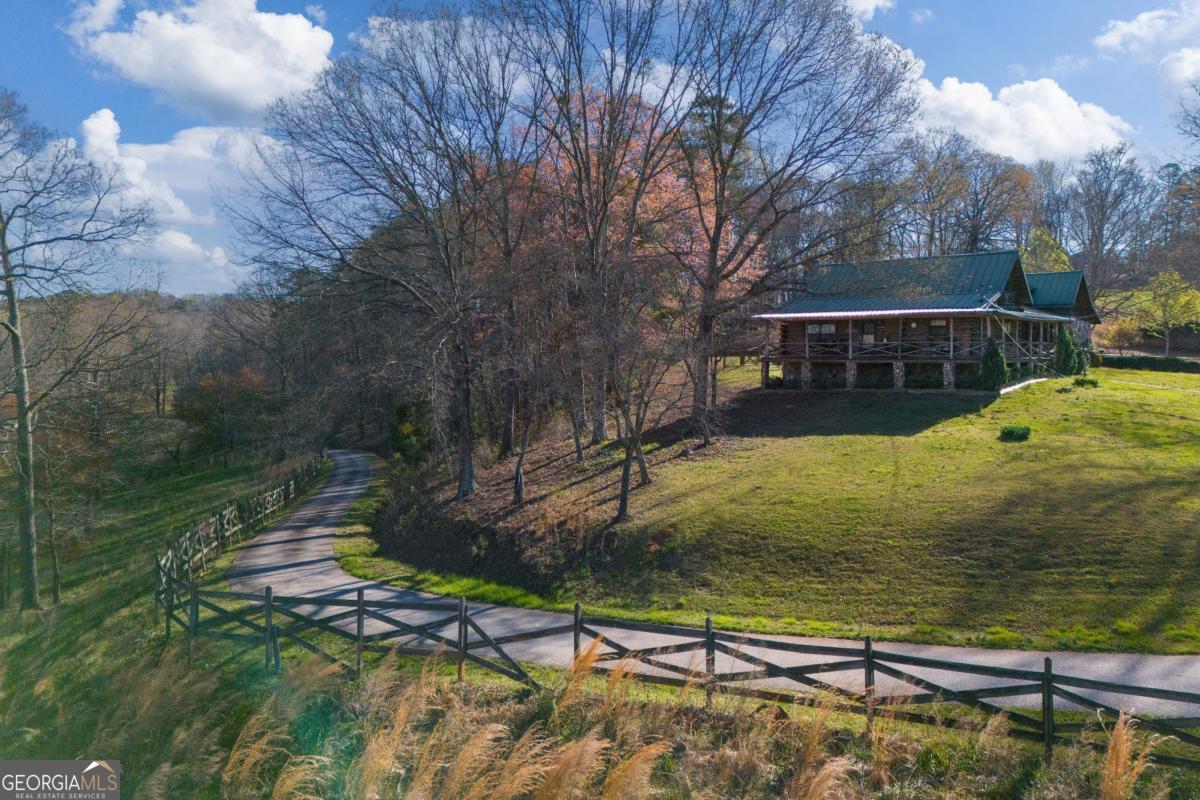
[1027, 340]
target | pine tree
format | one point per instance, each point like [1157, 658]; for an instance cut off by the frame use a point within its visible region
[1069, 357]
[993, 372]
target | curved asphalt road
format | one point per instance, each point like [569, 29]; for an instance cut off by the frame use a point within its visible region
[295, 557]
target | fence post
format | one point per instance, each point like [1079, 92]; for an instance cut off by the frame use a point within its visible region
[160, 587]
[1048, 710]
[710, 660]
[358, 636]
[267, 627]
[578, 622]
[199, 529]
[193, 620]
[462, 638]
[869, 681]
[169, 600]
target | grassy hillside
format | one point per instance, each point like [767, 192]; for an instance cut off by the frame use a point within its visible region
[910, 516]
[91, 675]
[898, 515]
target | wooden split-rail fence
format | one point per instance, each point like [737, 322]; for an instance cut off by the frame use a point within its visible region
[1061, 709]
[191, 551]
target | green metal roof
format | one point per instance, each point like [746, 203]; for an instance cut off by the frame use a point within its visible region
[867, 305]
[972, 273]
[1062, 291]
[1054, 288]
[953, 283]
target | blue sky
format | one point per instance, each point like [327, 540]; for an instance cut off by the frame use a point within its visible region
[172, 91]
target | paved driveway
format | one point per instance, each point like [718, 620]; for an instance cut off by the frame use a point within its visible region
[295, 557]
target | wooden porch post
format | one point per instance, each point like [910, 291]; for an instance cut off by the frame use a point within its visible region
[951, 338]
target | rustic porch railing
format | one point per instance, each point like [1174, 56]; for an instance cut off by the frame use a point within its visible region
[921, 349]
[931, 349]
[1062, 709]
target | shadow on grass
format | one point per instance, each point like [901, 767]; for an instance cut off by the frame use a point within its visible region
[1093, 572]
[756, 413]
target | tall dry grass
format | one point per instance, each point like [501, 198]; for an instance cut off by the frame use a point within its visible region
[302, 778]
[889, 749]
[260, 751]
[420, 736]
[581, 670]
[389, 710]
[1126, 757]
[631, 777]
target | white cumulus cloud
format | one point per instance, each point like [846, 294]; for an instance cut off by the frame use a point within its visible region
[919, 16]
[190, 268]
[101, 143]
[1150, 32]
[1167, 34]
[177, 179]
[1028, 120]
[865, 9]
[1181, 67]
[316, 12]
[223, 59]
[90, 17]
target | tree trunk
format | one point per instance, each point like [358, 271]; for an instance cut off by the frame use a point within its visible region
[1166, 341]
[160, 387]
[599, 405]
[702, 358]
[508, 422]
[712, 405]
[577, 427]
[465, 436]
[623, 496]
[519, 473]
[26, 530]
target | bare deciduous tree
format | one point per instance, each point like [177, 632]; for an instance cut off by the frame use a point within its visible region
[618, 78]
[1108, 226]
[383, 170]
[1189, 113]
[793, 102]
[61, 215]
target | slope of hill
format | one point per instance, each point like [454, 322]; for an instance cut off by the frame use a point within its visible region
[896, 515]
[90, 674]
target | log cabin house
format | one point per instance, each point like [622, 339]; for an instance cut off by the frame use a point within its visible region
[920, 322]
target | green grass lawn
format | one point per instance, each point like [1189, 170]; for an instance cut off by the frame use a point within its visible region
[91, 675]
[906, 516]
[903, 516]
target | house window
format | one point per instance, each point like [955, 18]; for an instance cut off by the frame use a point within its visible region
[939, 329]
[868, 332]
[821, 331]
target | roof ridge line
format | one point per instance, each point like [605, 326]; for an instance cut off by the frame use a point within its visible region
[1012, 250]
